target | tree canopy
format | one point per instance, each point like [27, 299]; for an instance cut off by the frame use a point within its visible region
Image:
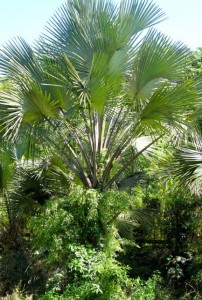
[94, 84]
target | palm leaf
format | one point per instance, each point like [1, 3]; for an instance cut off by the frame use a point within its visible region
[187, 168]
[135, 16]
[157, 58]
[168, 106]
[18, 61]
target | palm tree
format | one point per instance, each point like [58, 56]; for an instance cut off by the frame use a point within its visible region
[93, 85]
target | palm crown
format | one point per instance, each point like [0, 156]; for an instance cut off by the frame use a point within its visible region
[93, 84]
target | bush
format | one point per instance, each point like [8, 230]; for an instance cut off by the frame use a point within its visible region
[76, 241]
[152, 289]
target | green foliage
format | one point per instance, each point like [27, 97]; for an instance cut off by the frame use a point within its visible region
[196, 66]
[112, 203]
[77, 212]
[87, 213]
[171, 243]
[181, 221]
[151, 289]
[137, 289]
[92, 107]
[96, 277]
[79, 266]
[76, 241]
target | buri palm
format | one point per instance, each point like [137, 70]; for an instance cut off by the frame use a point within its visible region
[93, 85]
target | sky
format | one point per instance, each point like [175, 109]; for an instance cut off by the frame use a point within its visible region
[184, 21]
[27, 18]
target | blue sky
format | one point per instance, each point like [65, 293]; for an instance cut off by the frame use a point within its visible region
[27, 18]
[184, 21]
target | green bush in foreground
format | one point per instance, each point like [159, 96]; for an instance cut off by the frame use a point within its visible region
[136, 290]
[76, 240]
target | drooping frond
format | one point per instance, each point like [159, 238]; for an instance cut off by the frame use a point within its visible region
[168, 107]
[187, 168]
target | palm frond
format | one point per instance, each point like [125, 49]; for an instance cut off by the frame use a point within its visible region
[18, 61]
[137, 15]
[168, 106]
[126, 223]
[187, 168]
[158, 58]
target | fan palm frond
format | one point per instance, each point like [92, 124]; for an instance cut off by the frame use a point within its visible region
[126, 223]
[187, 168]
